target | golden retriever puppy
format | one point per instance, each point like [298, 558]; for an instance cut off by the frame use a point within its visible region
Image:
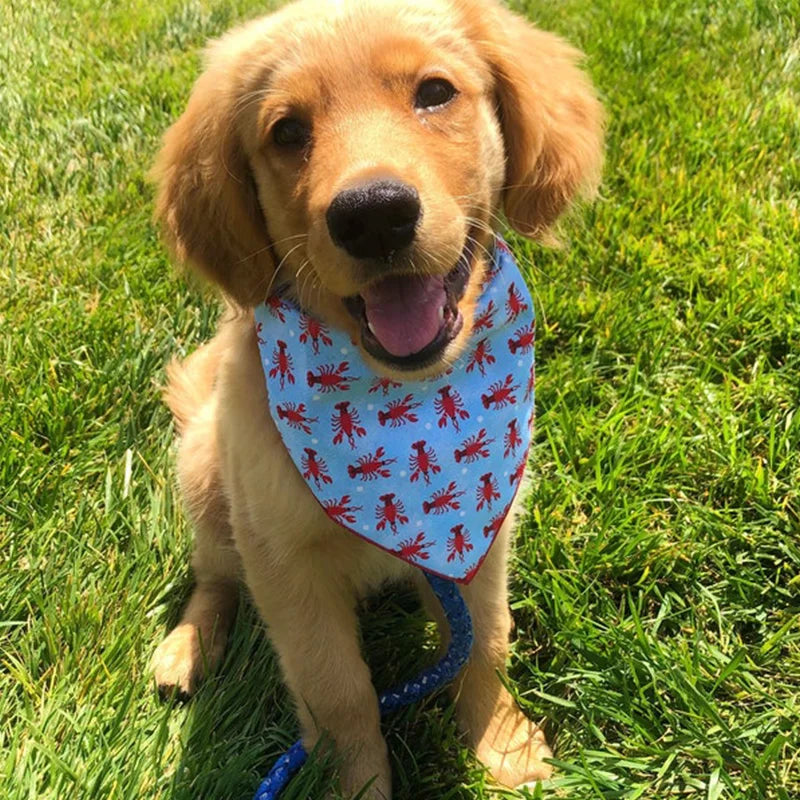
[328, 146]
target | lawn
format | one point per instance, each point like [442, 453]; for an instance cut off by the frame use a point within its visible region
[656, 585]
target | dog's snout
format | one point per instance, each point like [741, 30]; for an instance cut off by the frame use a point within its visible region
[373, 220]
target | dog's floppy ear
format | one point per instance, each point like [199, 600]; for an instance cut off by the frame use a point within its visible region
[207, 200]
[551, 120]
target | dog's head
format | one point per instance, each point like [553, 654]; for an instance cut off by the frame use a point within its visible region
[360, 151]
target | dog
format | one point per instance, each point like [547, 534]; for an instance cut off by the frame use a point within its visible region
[334, 147]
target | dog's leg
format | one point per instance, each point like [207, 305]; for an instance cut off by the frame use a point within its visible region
[197, 643]
[504, 739]
[310, 610]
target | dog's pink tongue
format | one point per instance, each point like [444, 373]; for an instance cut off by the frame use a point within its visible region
[404, 312]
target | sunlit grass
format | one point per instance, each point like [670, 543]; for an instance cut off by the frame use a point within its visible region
[656, 585]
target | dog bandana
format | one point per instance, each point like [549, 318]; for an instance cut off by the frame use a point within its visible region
[427, 469]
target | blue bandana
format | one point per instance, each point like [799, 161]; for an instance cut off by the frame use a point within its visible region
[426, 469]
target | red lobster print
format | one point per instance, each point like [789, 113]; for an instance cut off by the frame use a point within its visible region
[515, 303]
[472, 572]
[481, 356]
[414, 548]
[487, 491]
[443, 501]
[458, 543]
[383, 384]
[331, 378]
[259, 329]
[282, 363]
[276, 306]
[313, 330]
[473, 448]
[449, 406]
[511, 440]
[496, 522]
[391, 513]
[517, 474]
[371, 466]
[346, 423]
[531, 383]
[398, 412]
[314, 467]
[340, 510]
[485, 320]
[523, 339]
[492, 271]
[295, 416]
[422, 461]
[501, 394]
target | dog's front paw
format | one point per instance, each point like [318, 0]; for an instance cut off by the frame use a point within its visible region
[180, 661]
[514, 748]
[356, 772]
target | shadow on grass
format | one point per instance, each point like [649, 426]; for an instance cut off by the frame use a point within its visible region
[241, 719]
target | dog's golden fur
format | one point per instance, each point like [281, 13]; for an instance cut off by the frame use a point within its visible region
[522, 136]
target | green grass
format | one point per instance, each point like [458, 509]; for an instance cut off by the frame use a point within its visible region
[656, 585]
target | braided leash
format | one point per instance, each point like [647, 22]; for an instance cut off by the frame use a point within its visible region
[427, 682]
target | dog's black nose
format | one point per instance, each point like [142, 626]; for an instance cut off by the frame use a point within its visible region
[375, 219]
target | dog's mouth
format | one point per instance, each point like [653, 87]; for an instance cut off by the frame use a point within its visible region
[407, 321]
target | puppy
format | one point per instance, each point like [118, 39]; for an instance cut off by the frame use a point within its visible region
[429, 117]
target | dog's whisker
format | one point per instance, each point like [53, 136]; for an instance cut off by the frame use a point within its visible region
[479, 246]
[289, 238]
[275, 272]
[300, 269]
[309, 275]
[271, 245]
[530, 263]
[289, 253]
[319, 289]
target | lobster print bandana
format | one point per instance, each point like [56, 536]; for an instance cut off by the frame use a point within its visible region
[424, 469]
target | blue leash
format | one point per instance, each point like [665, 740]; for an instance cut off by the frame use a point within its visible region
[428, 681]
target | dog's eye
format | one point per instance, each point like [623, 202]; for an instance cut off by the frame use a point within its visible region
[291, 132]
[434, 92]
